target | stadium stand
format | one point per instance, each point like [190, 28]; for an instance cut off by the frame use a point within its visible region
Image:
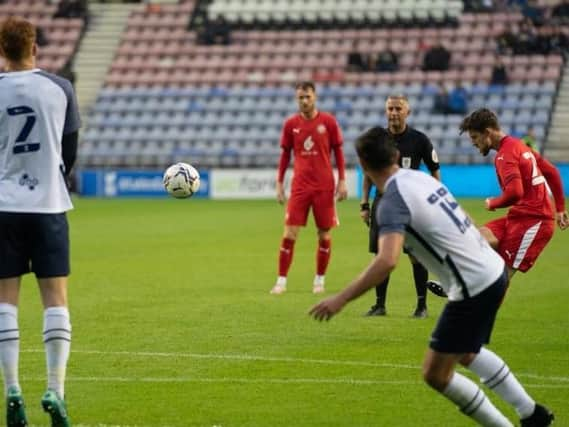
[169, 97]
[62, 34]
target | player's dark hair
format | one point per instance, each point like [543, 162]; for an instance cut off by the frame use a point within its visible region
[479, 121]
[376, 148]
[306, 85]
[17, 38]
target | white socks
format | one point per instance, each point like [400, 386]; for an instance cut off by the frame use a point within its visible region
[9, 345]
[281, 281]
[318, 280]
[473, 402]
[57, 341]
[495, 374]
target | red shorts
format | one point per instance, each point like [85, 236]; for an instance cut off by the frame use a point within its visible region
[323, 207]
[521, 240]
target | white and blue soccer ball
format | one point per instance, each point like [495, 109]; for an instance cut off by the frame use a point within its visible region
[181, 180]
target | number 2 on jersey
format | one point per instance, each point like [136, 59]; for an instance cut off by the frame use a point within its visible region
[21, 144]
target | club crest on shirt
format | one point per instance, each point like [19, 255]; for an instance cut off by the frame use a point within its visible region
[321, 129]
[406, 162]
[308, 144]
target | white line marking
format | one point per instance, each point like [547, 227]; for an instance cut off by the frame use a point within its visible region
[226, 380]
[240, 357]
[246, 357]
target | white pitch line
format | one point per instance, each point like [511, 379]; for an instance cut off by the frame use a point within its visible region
[173, 380]
[246, 357]
[229, 380]
[241, 357]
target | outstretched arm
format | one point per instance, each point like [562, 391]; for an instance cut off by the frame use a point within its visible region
[283, 165]
[513, 191]
[553, 178]
[381, 266]
[342, 189]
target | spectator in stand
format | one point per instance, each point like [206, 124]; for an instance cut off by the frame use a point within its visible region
[356, 60]
[386, 61]
[533, 12]
[453, 102]
[67, 72]
[526, 38]
[507, 43]
[441, 101]
[458, 100]
[437, 58]
[559, 41]
[217, 31]
[561, 11]
[529, 139]
[499, 72]
[41, 38]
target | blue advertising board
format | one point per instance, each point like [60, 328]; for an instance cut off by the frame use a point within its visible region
[475, 180]
[127, 183]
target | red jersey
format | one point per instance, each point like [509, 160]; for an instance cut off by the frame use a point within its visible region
[311, 141]
[517, 162]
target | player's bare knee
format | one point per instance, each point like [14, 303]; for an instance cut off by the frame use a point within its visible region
[434, 379]
[291, 233]
[324, 234]
[467, 359]
[489, 236]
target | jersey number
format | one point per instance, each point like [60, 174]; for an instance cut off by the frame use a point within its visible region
[448, 205]
[21, 145]
[536, 178]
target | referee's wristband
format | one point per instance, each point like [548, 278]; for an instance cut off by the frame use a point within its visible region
[364, 206]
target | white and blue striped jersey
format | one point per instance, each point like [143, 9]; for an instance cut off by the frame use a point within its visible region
[438, 233]
[36, 110]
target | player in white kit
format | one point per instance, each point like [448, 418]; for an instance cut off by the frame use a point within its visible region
[39, 123]
[419, 214]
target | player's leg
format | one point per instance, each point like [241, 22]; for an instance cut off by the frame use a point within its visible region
[57, 342]
[14, 262]
[50, 263]
[439, 373]
[296, 215]
[420, 276]
[324, 210]
[378, 309]
[495, 374]
[462, 329]
[9, 351]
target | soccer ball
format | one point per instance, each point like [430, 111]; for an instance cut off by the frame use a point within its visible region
[181, 180]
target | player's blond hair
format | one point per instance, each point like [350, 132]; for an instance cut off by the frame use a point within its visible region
[17, 39]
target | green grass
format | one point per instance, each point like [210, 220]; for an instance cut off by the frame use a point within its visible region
[173, 325]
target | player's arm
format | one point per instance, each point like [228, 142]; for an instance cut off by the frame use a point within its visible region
[336, 144]
[364, 202]
[431, 159]
[69, 150]
[70, 128]
[286, 148]
[513, 189]
[382, 265]
[553, 178]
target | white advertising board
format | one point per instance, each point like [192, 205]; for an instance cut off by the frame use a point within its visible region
[257, 183]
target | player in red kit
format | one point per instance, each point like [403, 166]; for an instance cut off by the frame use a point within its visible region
[311, 135]
[524, 178]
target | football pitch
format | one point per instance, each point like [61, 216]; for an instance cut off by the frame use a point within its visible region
[173, 325]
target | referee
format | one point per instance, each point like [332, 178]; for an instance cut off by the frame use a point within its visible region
[414, 147]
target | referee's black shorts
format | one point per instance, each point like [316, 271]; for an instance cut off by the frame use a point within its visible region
[34, 242]
[465, 326]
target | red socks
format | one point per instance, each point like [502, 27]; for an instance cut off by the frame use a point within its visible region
[285, 256]
[323, 256]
